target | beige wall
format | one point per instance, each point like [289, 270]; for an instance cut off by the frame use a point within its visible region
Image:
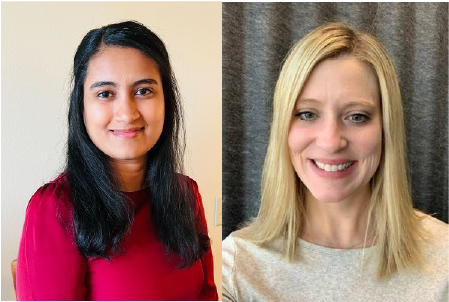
[38, 44]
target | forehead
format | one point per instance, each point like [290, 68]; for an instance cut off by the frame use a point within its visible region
[341, 79]
[121, 64]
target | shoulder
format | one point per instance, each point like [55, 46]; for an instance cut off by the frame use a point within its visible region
[229, 255]
[434, 225]
[242, 244]
[436, 242]
[57, 188]
[246, 264]
[186, 183]
[437, 231]
[240, 253]
[48, 252]
[228, 265]
[230, 245]
[60, 185]
[51, 202]
[48, 225]
[189, 182]
[239, 240]
[190, 186]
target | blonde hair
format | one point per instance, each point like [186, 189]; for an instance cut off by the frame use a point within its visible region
[396, 225]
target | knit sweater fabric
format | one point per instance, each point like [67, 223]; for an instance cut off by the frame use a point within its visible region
[50, 266]
[252, 273]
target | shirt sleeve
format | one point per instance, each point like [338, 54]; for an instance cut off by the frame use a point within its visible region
[49, 265]
[208, 290]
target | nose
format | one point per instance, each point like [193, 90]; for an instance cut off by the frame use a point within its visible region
[330, 137]
[126, 110]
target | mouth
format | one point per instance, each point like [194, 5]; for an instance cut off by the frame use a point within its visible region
[135, 129]
[127, 133]
[333, 166]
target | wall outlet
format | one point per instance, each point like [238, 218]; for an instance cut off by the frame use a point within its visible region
[218, 211]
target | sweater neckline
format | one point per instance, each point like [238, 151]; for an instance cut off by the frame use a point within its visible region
[329, 250]
[135, 192]
[139, 197]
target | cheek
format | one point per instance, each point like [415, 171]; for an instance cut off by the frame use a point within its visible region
[95, 114]
[375, 144]
[298, 139]
[154, 113]
[293, 142]
[370, 144]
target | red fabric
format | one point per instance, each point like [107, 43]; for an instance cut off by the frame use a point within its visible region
[50, 267]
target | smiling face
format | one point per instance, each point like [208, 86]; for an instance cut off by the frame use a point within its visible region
[335, 136]
[123, 103]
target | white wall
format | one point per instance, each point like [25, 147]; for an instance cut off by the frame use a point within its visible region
[38, 44]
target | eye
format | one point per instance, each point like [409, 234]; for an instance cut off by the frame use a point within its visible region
[358, 118]
[306, 116]
[144, 91]
[105, 94]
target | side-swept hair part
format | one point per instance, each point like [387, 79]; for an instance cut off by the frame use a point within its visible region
[397, 228]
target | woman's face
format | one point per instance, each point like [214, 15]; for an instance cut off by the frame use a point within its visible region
[123, 103]
[335, 136]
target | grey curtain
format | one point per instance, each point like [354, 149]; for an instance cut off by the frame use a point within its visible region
[257, 37]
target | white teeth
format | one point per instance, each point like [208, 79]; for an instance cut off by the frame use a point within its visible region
[332, 168]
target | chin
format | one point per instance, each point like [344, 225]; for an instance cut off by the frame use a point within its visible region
[330, 197]
[127, 156]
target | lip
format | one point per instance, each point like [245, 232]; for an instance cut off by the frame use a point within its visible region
[333, 161]
[127, 133]
[332, 174]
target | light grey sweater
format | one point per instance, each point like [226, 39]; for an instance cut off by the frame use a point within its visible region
[252, 273]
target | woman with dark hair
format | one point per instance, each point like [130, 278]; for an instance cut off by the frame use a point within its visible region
[120, 223]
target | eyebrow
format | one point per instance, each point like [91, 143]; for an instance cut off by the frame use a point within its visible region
[361, 102]
[306, 102]
[113, 84]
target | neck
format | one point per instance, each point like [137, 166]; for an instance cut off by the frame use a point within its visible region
[338, 225]
[132, 173]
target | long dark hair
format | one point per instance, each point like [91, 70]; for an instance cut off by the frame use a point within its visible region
[102, 214]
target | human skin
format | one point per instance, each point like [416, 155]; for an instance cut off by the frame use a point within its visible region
[337, 122]
[124, 109]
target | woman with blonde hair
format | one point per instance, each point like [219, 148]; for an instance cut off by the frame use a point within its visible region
[336, 221]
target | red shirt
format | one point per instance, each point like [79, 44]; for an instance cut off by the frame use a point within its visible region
[50, 267]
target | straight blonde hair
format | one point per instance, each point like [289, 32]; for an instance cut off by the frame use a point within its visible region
[396, 225]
